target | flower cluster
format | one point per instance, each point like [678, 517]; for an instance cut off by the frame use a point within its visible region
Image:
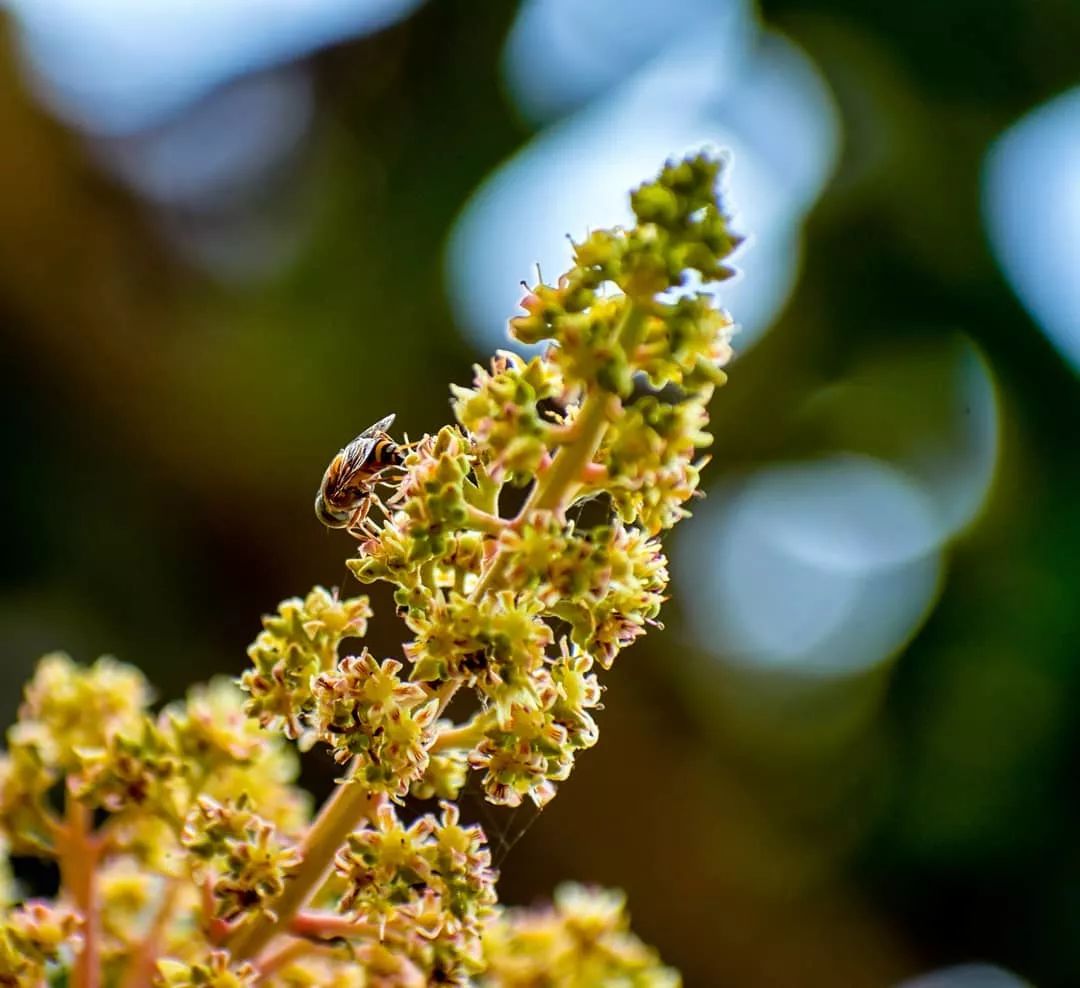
[522, 546]
[614, 412]
[365, 712]
[297, 644]
[502, 413]
[583, 940]
[237, 855]
[426, 889]
[136, 787]
[34, 938]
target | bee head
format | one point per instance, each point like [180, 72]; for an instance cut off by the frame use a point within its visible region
[328, 516]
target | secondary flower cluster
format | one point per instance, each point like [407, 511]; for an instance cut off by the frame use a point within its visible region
[426, 889]
[583, 940]
[34, 938]
[522, 545]
[156, 850]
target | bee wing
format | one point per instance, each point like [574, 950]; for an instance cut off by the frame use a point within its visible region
[381, 426]
[340, 480]
[356, 454]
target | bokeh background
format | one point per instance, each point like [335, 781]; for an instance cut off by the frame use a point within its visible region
[235, 232]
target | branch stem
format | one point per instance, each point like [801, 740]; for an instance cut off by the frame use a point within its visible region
[326, 925]
[484, 521]
[141, 967]
[464, 735]
[340, 815]
[79, 854]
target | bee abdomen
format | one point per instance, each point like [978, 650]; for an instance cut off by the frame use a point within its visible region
[386, 453]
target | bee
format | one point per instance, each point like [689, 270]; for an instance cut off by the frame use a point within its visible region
[347, 487]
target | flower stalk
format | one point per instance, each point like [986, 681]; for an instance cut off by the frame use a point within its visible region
[78, 858]
[143, 963]
[343, 812]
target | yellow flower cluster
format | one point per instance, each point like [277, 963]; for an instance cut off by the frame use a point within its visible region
[582, 941]
[138, 789]
[502, 412]
[295, 645]
[34, 938]
[366, 712]
[426, 888]
[237, 855]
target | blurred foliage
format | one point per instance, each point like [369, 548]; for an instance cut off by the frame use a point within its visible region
[164, 433]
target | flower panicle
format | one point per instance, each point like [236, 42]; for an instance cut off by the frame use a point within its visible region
[522, 546]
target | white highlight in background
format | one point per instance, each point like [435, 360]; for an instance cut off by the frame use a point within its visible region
[967, 976]
[778, 122]
[825, 567]
[562, 54]
[115, 66]
[1031, 206]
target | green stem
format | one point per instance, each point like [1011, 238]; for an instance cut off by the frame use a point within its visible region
[340, 815]
[556, 486]
[484, 521]
[464, 735]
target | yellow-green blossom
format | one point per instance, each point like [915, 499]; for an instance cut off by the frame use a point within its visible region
[501, 412]
[583, 940]
[427, 887]
[295, 645]
[366, 711]
[243, 859]
[212, 971]
[34, 939]
[68, 708]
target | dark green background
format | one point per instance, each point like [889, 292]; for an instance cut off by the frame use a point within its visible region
[163, 436]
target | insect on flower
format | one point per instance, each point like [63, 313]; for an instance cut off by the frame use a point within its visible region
[347, 487]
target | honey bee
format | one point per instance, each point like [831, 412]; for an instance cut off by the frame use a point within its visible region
[348, 485]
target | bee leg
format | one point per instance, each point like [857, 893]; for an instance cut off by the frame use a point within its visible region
[370, 526]
[359, 516]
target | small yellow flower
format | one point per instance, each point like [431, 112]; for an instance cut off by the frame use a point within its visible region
[582, 940]
[34, 938]
[215, 970]
[366, 711]
[297, 644]
[68, 707]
